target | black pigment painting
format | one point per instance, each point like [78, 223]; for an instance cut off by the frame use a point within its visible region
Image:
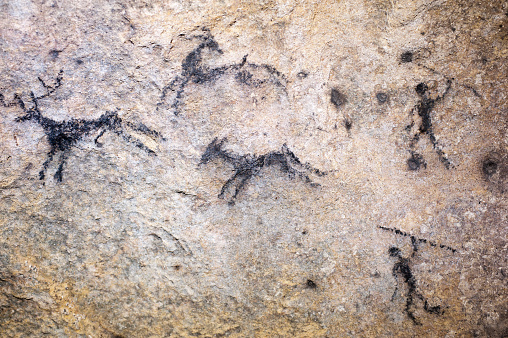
[253, 168]
[195, 71]
[247, 166]
[424, 109]
[405, 277]
[62, 136]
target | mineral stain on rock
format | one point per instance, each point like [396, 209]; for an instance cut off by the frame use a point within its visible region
[348, 124]
[406, 57]
[54, 53]
[494, 167]
[416, 161]
[302, 75]
[489, 167]
[311, 284]
[63, 136]
[382, 97]
[337, 98]
[247, 166]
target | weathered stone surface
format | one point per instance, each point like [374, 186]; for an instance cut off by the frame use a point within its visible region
[253, 169]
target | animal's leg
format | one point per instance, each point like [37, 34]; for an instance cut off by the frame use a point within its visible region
[58, 174]
[179, 94]
[239, 187]
[238, 180]
[96, 141]
[441, 154]
[177, 84]
[45, 165]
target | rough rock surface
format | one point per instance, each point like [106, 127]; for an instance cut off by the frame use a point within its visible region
[253, 169]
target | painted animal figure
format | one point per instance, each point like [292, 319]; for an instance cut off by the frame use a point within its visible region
[195, 71]
[247, 166]
[62, 136]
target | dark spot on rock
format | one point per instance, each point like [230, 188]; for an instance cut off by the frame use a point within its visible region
[302, 75]
[421, 88]
[494, 168]
[348, 124]
[310, 284]
[406, 57]
[422, 33]
[177, 267]
[415, 162]
[453, 29]
[382, 97]
[54, 53]
[304, 232]
[489, 167]
[79, 62]
[337, 98]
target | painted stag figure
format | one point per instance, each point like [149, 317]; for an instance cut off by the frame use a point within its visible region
[63, 136]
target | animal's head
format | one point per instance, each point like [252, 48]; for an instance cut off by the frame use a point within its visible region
[213, 151]
[27, 117]
[193, 61]
[30, 113]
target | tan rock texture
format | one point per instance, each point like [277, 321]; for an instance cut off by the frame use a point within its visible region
[253, 168]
